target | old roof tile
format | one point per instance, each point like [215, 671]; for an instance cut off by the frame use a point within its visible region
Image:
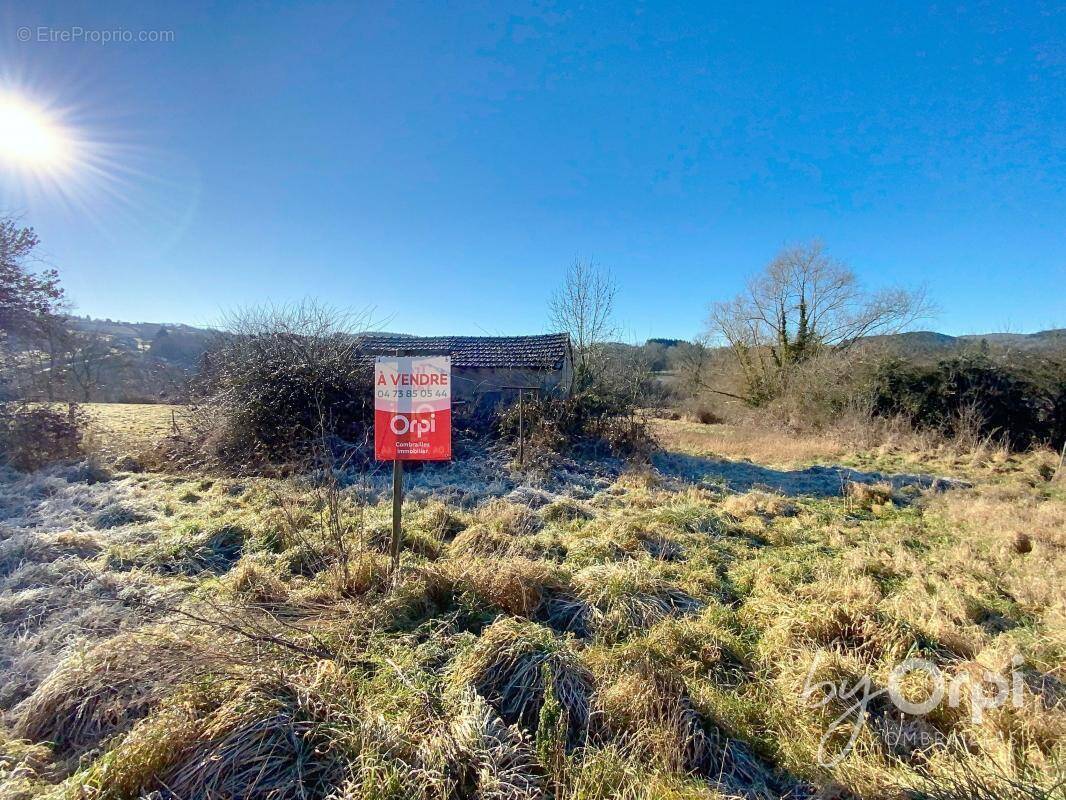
[547, 351]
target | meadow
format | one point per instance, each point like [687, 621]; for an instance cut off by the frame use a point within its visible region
[118, 429]
[724, 621]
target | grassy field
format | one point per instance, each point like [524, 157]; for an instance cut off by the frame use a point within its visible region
[702, 627]
[766, 446]
[119, 429]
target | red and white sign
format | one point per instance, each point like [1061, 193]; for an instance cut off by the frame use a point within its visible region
[413, 408]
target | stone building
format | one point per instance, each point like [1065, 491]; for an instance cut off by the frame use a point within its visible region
[488, 370]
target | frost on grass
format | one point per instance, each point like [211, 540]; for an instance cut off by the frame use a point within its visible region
[508, 666]
[488, 473]
[495, 757]
[93, 695]
[572, 633]
[627, 597]
[54, 597]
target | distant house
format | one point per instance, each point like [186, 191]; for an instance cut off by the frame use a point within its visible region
[487, 370]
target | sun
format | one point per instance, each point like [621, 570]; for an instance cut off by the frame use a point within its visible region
[80, 158]
[30, 138]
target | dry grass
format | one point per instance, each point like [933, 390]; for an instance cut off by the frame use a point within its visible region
[757, 504]
[255, 583]
[867, 496]
[480, 540]
[121, 429]
[497, 758]
[512, 519]
[1006, 511]
[565, 510]
[94, 695]
[508, 666]
[515, 585]
[255, 746]
[626, 597]
[762, 444]
[617, 635]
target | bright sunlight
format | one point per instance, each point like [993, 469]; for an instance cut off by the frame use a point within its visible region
[29, 138]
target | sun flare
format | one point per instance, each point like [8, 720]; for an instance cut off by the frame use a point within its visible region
[30, 138]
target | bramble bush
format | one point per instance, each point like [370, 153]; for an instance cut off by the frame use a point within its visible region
[593, 422]
[1019, 404]
[33, 436]
[280, 382]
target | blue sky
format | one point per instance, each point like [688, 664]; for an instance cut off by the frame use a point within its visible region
[443, 163]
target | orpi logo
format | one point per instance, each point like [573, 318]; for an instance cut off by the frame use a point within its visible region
[401, 425]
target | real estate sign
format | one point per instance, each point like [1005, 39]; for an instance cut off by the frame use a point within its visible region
[413, 408]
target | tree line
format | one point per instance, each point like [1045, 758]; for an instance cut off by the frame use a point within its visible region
[794, 344]
[46, 354]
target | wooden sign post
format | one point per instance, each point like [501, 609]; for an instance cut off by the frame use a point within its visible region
[521, 429]
[412, 421]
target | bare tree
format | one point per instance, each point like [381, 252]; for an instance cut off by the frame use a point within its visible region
[804, 303]
[583, 307]
[24, 294]
[691, 364]
[631, 382]
[91, 358]
[57, 342]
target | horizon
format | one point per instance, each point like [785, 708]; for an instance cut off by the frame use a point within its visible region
[387, 331]
[445, 168]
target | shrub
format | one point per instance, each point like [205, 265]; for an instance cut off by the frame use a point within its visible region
[976, 396]
[281, 380]
[705, 416]
[818, 391]
[593, 422]
[700, 411]
[33, 436]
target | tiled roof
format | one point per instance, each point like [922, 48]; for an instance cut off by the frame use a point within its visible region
[547, 351]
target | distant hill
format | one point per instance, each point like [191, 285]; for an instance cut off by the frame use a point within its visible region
[105, 360]
[183, 344]
[932, 343]
[172, 342]
[1056, 337]
[152, 360]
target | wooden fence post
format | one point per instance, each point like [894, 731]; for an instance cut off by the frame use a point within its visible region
[397, 525]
